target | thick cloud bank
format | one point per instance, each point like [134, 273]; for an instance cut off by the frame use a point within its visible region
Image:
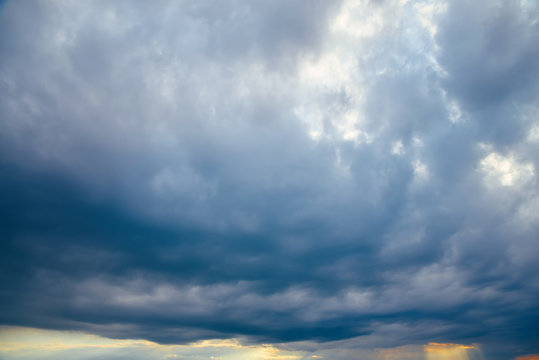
[274, 171]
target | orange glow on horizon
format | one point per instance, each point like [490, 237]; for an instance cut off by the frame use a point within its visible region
[528, 357]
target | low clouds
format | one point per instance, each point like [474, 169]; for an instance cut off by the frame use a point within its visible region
[285, 171]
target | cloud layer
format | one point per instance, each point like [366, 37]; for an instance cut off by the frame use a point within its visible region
[279, 171]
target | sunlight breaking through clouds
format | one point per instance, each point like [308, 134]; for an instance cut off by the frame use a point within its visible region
[441, 351]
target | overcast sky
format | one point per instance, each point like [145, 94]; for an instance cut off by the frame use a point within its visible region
[339, 179]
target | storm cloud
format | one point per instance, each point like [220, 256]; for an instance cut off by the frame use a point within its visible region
[301, 172]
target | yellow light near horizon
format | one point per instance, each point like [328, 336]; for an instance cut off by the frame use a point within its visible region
[47, 343]
[447, 351]
[29, 343]
[18, 338]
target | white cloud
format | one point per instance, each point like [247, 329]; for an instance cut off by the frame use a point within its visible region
[505, 170]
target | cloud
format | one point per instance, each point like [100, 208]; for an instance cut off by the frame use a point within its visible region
[284, 172]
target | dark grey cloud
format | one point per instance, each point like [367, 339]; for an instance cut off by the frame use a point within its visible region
[280, 171]
[489, 52]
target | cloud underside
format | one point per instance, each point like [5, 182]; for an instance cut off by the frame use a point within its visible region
[277, 172]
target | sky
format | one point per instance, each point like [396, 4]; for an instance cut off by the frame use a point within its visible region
[264, 180]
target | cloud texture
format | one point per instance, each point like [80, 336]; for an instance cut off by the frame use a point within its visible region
[278, 171]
